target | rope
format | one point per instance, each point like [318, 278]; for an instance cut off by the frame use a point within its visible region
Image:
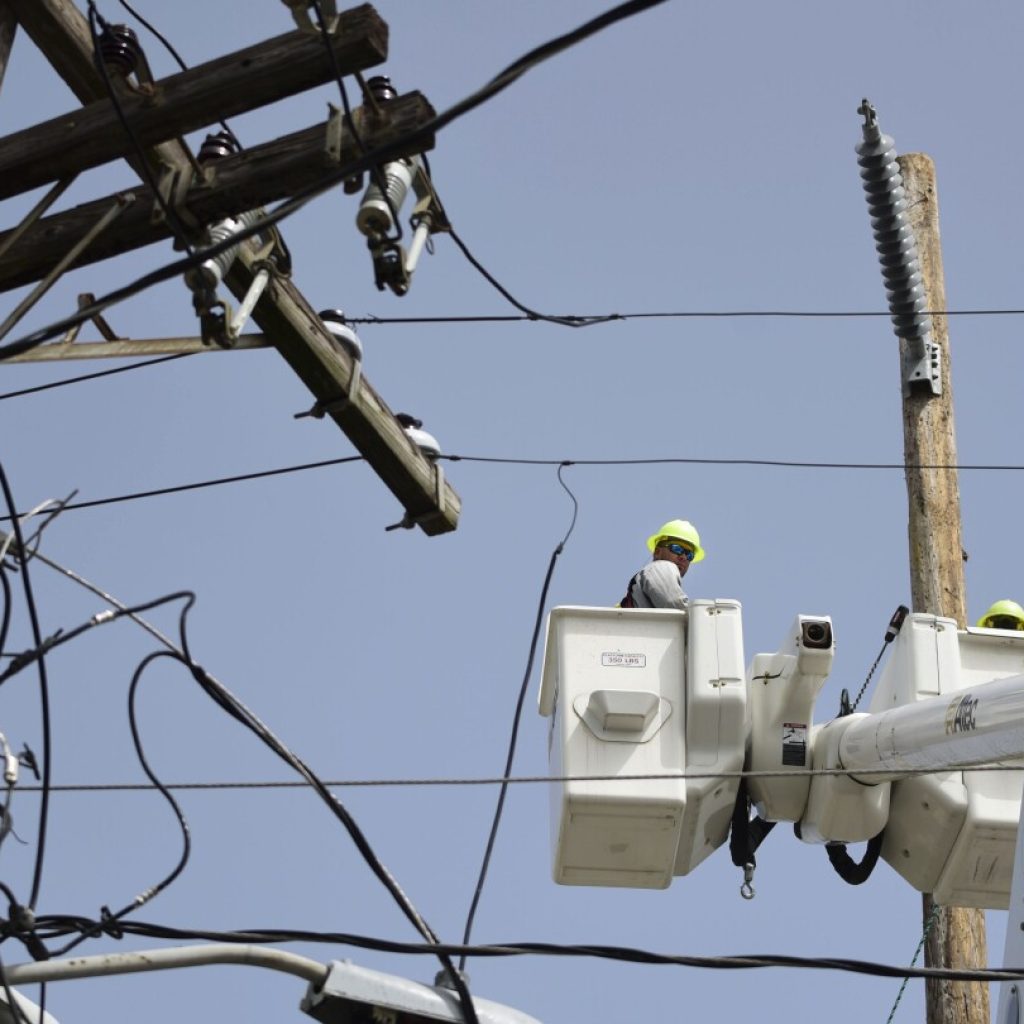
[917, 952]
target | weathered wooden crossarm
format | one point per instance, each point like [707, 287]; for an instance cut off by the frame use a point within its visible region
[221, 88]
[243, 181]
[291, 325]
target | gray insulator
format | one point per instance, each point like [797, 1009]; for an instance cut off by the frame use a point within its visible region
[894, 238]
[210, 273]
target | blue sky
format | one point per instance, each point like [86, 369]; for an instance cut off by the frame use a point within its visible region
[697, 157]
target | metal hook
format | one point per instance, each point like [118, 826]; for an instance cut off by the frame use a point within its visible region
[747, 889]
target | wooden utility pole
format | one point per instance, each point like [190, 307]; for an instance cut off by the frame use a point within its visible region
[956, 937]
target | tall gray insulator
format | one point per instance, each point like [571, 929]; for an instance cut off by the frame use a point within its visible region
[897, 250]
[210, 273]
[374, 216]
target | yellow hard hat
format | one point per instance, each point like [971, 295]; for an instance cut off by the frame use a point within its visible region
[682, 529]
[1009, 609]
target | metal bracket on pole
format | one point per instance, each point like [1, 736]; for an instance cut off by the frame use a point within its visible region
[265, 269]
[922, 367]
[173, 186]
[85, 300]
[335, 128]
[304, 23]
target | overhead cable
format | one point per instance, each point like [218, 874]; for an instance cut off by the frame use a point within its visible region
[57, 924]
[517, 716]
[498, 780]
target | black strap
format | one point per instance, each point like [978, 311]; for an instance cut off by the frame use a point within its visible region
[847, 868]
[747, 833]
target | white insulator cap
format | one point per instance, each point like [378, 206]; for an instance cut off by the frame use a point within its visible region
[426, 443]
[335, 322]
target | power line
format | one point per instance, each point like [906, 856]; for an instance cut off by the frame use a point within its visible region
[504, 461]
[179, 488]
[93, 376]
[692, 314]
[687, 461]
[62, 925]
[498, 780]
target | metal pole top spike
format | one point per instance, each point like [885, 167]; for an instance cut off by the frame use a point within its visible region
[871, 130]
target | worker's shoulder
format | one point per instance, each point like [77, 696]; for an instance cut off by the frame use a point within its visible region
[663, 571]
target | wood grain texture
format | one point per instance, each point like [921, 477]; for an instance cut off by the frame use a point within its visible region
[957, 935]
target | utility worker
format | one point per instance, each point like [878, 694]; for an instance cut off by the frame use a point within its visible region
[1003, 615]
[659, 584]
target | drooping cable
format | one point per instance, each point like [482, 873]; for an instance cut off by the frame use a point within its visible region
[5, 618]
[850, 871]
[531, 314]
[516, 718]
[147, 894]
[44, 691]
[234, 707]
[23, 660]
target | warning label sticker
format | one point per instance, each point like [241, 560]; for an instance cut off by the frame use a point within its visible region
[794, 744]
[615, 659]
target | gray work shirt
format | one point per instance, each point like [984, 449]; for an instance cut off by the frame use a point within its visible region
[658, 585]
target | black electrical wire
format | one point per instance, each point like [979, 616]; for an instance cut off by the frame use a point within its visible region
[678, 461]
[380, 155]
[170, 214]
[178, 489]
[234, 707]
[373, 320]
[57, 925]
[44, 691]
[137, 787]
[177, 57]
[94, 376]
[62, 637]
[531, 314]
[692, 314]
[516, 718]
[5, 620]
[148, 894]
